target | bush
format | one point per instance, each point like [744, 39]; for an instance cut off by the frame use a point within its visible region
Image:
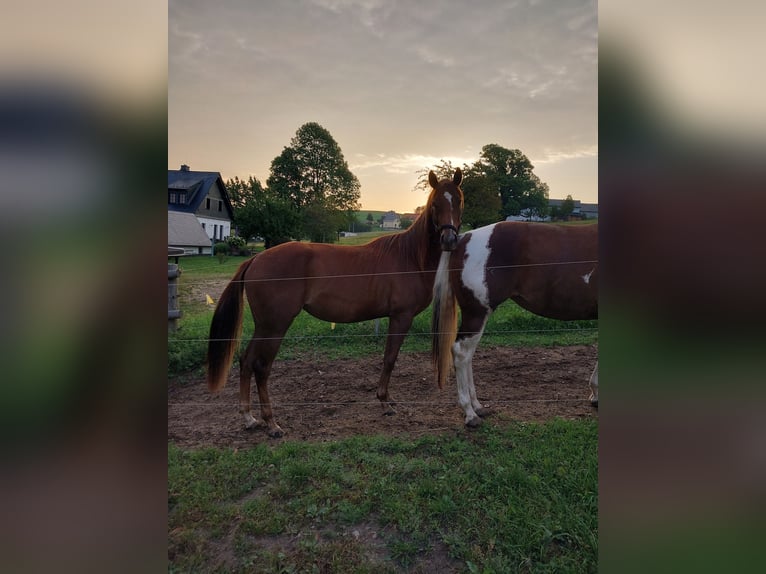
[237, 245]
[221, 249]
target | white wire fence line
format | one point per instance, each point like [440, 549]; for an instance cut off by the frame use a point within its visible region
[390, 273]
[369, 335]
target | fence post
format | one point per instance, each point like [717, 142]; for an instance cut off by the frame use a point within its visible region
[173, 311]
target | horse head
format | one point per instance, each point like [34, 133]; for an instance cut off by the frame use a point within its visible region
[446, 208]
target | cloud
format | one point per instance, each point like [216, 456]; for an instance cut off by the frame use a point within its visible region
[551, 156]
[405, 163]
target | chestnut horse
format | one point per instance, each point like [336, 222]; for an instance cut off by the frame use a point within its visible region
[550, 270]
[391, 276]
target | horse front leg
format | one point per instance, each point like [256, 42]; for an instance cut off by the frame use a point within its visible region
[463, 350]
[397, 331]
[594, 386]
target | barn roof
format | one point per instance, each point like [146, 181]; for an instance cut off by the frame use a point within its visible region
[184, 230]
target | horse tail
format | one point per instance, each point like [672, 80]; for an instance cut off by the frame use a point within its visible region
[225, 329]
[443, 321]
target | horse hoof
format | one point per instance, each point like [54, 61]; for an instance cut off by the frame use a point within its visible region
[276, 433]
[389, 411]
[482, 412]
[594, 402]
[473, 423]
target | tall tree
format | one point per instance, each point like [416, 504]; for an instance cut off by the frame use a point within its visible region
[511, 174]
[312, 172]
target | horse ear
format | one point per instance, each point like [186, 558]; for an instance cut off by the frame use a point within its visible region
[432, 179]
[458, 177]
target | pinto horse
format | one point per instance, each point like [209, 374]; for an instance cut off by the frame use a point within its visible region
[550, 270]
[391, 276]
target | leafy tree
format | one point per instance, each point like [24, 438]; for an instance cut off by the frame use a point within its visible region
[370, 218]
[511, 174]
[312, 172]
[567, 207]
[257, 211]
[482, 200]
[241, 192]
[500, 183]
[443, 170]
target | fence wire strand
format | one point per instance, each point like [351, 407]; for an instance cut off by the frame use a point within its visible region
[391, 273]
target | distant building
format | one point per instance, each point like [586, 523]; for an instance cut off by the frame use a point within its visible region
[589, 210]
[580, 211]
[391, 221]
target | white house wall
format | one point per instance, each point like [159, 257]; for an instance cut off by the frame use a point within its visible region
[220, 227]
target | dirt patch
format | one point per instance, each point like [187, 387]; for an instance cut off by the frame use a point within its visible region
[316, 400]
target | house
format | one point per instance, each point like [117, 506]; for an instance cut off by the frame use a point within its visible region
[589, 210]
[203, 194]
[391, 221]
[185, 233]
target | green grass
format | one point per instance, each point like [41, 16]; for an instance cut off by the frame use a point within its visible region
[307, 336]
[511, 497]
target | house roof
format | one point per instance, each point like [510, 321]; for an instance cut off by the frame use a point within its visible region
[390, 216]
[184, 230]
[197, 184]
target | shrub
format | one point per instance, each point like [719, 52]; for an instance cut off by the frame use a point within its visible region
[221, 250]
[236, 244]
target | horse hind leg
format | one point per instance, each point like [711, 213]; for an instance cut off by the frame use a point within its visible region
[245, 374]
[257, 361]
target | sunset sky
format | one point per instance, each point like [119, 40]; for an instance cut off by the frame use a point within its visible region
[399, 85]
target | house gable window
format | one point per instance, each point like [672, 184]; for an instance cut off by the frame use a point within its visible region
[220, 205]
[207, 203]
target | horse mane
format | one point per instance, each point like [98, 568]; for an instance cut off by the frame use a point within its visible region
[410, 242]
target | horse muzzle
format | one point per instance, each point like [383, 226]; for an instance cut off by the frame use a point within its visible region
[448, 237]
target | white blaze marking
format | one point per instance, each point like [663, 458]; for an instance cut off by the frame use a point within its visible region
[448, 197]
[586, 277]
[474, 268]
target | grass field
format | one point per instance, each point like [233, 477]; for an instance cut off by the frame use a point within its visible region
[510, 497]
[518, 498]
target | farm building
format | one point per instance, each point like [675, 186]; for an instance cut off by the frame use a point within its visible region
[391, 220]
[202, 194]
[185, 232]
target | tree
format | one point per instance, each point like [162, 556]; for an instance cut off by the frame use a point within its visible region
[370, 218]
[511, 174]
[257, 211]
[481, 199]
[443, 170]
[567, 207]
[312, 172]
[241, 192]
